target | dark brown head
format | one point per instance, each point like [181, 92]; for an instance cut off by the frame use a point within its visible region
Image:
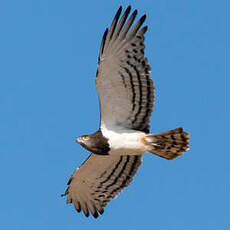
[95, 143]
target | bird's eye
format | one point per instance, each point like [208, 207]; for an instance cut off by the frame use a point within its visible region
[85, 137]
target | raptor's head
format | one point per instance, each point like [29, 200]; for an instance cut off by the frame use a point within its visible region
[86, 141]
[94, 143]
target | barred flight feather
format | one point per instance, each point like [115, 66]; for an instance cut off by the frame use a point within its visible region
[123, 81]
[98, 180]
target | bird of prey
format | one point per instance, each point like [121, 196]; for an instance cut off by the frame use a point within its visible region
[126, 96]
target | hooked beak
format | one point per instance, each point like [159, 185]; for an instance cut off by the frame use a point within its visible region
[77, 141]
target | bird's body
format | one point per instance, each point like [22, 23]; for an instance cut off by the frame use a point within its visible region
[126, 94]
[125, 141]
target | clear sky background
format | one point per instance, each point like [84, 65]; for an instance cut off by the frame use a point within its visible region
[48, 61]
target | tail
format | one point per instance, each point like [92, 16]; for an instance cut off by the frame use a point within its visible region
[168, 145]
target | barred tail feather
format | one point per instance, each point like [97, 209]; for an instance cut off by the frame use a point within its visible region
[168, 145]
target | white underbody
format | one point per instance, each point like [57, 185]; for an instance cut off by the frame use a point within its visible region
[124, 141]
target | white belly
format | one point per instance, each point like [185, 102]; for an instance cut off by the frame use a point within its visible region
[125, 142]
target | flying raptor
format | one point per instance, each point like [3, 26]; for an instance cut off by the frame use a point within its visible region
[126, 96]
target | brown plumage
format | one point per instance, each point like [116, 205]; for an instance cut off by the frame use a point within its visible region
[98, 180]
[126, 95]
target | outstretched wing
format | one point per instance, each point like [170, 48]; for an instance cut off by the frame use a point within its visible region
[123, 78]
[98, 180]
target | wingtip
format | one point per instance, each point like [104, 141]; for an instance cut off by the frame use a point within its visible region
[101, 211]
[135, 12]
[103, 43]
[142, 19]
[86, 214]
[105, 33]
[95, 215]
[144, 29]
[118, 12]
[128, 7]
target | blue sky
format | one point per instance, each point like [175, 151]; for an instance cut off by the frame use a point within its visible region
[48, 59]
